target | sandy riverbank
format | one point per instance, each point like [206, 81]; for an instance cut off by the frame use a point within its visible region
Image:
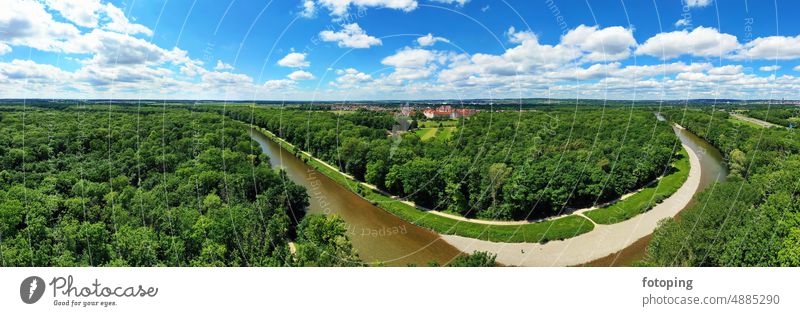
[600, 242]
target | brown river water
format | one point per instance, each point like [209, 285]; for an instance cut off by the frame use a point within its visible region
[713, 171]
[379, 236]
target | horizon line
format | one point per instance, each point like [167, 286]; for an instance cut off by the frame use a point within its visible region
[401, 100]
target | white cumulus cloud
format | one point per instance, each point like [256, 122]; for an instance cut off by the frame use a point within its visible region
[726, 70]
[31, 71]
[683, 22]
[81, 12]
[700, 42]
[350, 77]
[27, 23]
[530, 54]
[527, 57]
[111, 48]
[770, 68]
[309, 9]
[222, 66]
[351, 36]
[341, 7]
[409, 58]
[412, 64]
[279, 84]
[771, 48]
[608, 44]
[4, 49]
[120, 23]
[430, 40]
[216, 78]
[458, 2]
[697, 3]
[294, 60]
[301, 75]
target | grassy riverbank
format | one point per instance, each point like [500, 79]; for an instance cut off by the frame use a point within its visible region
[555, 229]
[562, 228]
[646, 198]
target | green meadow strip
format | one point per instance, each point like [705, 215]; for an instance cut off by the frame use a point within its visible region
[538, 232]
[645, 199]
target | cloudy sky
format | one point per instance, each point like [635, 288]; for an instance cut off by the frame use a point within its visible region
[399, 49]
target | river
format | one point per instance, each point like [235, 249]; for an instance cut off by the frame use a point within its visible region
[713, 170]
[377, 235]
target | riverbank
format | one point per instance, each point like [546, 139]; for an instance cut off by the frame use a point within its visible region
[618, 210]
[600, 242]
[558, 228]
[538, 232]
[379, 237]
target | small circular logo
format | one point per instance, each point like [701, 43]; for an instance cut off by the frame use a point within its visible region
[31, 289]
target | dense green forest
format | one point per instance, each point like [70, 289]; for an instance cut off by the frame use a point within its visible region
[150, 186]
[753, 219]
[182, 185]
[777, 114]
[502, 165]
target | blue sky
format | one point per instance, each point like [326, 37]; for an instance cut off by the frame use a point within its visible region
[399, 49]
